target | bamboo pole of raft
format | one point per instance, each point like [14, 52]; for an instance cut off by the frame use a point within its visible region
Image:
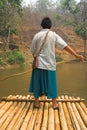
[83, 106]
[21, 118]
[8, 116]
[45, 117]
[5, 107]
[32, 99]
[7, 113]
[2, 104]
[82, 113]
[82, 125]
[73, 117]
[51, 117]
[27, 118]
[66, 112]
[20, 107]
[38, 120]
[70, 112]
[62, 117]
[32, 120]
[4, 110]
[56, 120]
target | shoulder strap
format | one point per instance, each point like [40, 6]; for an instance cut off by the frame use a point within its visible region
[42, 44]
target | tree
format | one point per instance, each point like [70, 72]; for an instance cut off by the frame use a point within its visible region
[42, 6]
[9, 11]
[81, 29]
[72, 7]
[79, 12]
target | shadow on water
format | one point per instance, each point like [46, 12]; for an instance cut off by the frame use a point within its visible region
[71, 77]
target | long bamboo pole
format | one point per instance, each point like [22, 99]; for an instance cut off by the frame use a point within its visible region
[21, 118]
[66, 112]
[51, 117]
[9, 115]
[81, 123]
[56, 120]
[45, 117]
[83, 106]
[4, 109]
[16, 116]
[82, 113]
[32, 120]
[2, 104]
[43, 100]
[38, 120]
[27, 118]
[72, 114]
[62, 117]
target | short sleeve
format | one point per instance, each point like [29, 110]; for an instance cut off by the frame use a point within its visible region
[60, 43]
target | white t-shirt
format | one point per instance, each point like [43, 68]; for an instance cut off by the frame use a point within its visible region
[46, 59]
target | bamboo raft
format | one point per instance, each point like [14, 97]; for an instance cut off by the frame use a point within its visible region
[18, 113]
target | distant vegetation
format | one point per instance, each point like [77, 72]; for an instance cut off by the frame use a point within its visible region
[11, 57]
[58, 59]
[18, 22]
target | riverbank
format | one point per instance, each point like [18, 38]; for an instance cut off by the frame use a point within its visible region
[62, 55]
[75, 42]
[7, 66]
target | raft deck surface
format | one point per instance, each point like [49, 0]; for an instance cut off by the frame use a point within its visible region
[18, 113]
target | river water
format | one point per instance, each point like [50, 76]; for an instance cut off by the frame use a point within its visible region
[71, 78]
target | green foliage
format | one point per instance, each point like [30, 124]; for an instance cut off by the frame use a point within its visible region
[80, 29]
[80, 24]
[69, 5]
[15, 57]
[5, 31]
[57, 17]
[14, 31]
[8, 53]
[13, 4]
[2, 62]
[20, 59]
[44, 5]
[69, 22]
[9, 10]
[58, 59]
[12, 57]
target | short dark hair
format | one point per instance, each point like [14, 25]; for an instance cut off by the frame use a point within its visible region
[46, 23]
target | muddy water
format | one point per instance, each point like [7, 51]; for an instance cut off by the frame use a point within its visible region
[71, 78]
